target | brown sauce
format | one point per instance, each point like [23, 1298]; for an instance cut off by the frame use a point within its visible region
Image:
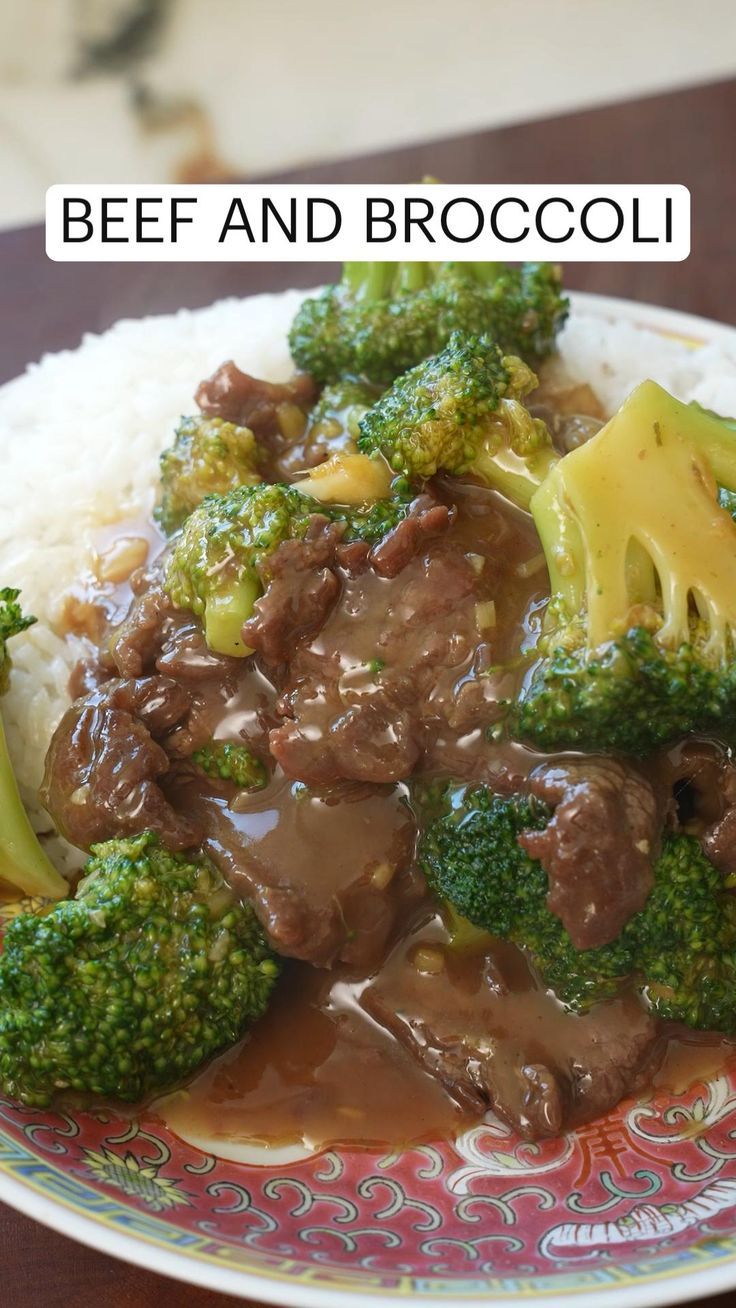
[315, 1072]
[343, 857]
[693, 1057]
[411, 1055]
[319, 1072]
[340, 836]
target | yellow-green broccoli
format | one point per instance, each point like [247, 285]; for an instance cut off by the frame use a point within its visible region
[638, 646]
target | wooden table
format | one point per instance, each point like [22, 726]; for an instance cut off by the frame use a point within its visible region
[685, 137]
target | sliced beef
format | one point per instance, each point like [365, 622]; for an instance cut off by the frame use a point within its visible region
[156, 635]
[250, 402]
[301, 586]
[302, 578]
[363, 699]
[380, 653]
[207, 696]
[183, 652]
[239, 708]
[353, 557]
[135, 644]
[104, 765]
[425, 520]
[479, 1023]
[159, 702]
[702, 775]
[228, 698]
[599, 847]
[330, 873]
[157, 638]
[87, 675]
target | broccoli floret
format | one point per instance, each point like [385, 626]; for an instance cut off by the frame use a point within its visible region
[461, 412]
[212, 568]
[680, 950]
[126, 988]
[638, 645]
[473, 861]
[229, 761]
[208, 456]
[384, 318]
[22, 860]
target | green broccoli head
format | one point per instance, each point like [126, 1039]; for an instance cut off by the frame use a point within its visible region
[384, 318]
[128, 987]
[213, 566]
[226, 760]
[629, 696]
[23, 862]
[461, 412]
[208, 456]
[680, 950]
[638, 646]
[684, 940]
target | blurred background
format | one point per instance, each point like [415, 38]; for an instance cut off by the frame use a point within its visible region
[197, 90]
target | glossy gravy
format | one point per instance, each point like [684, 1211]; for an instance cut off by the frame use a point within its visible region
[315, 1072]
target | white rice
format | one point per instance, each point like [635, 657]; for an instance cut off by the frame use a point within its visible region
[82, 430]
[614, 356]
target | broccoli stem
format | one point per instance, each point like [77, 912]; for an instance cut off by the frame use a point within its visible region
[224, 615]
[519, 479]
[562, 543]
[369, 282]
[22, 860]
[485, 272]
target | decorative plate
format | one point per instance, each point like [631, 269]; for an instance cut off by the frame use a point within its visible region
[638, 1208]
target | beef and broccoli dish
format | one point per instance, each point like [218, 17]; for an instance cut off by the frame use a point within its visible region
[404, 772]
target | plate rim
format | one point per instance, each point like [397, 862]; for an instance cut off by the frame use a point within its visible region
[670, 1286]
